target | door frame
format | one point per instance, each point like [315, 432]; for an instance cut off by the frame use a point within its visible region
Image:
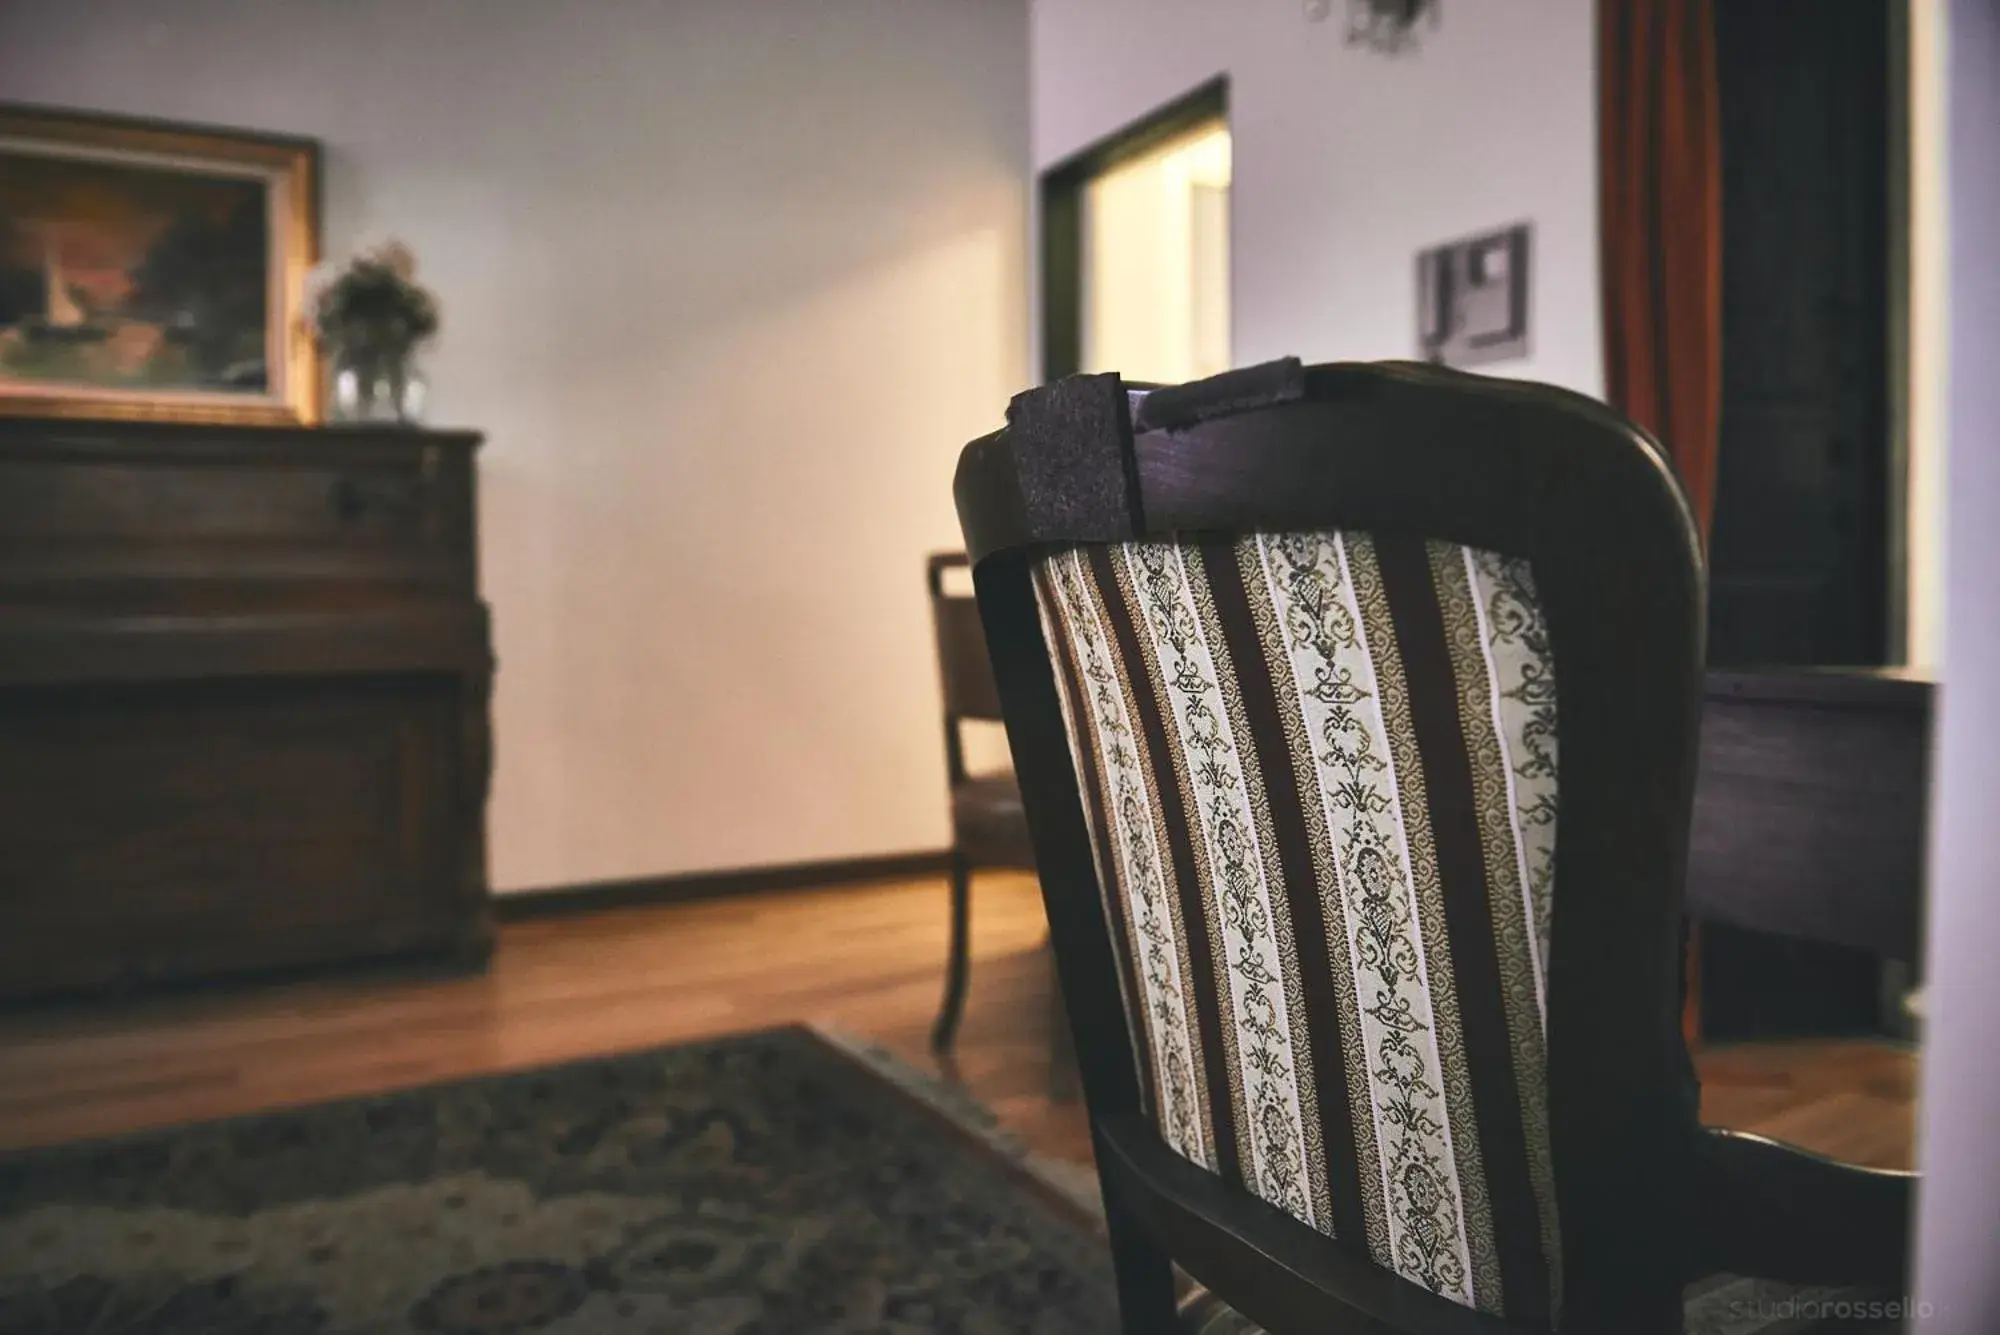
[1062, 187]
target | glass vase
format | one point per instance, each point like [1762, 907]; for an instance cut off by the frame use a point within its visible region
[377, 388]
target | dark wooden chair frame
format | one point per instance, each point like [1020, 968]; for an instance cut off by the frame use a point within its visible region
[1648, 1199]
[969, 694]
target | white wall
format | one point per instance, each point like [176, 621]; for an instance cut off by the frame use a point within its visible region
[1928, 337]
[1958, 1224]
[1348, 162]
[727, 285]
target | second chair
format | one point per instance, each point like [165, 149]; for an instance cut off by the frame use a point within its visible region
[987, 826]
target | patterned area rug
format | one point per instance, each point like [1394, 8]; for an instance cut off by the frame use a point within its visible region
[769, 1183]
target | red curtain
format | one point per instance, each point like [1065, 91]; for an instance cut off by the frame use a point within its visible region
[1660, 155]
[1660, 161]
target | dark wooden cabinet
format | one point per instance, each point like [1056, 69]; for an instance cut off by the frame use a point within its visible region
[1806, 858]
[244, 684]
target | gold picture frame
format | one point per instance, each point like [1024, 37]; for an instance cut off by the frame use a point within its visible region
[155, 270]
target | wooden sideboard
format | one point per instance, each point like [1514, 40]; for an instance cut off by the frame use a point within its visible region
[1809, 807]
[244, 684]
[1808, 831]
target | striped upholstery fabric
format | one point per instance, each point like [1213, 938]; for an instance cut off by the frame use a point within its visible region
[1321, 784]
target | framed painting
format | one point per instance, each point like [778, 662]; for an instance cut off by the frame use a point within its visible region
[154, 270]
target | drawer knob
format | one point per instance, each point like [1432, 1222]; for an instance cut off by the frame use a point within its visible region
[357, 498]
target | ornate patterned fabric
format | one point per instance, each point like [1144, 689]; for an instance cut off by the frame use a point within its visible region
[1320, 773]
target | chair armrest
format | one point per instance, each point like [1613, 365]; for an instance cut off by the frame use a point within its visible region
[1276, 1271]
[1779, 1212]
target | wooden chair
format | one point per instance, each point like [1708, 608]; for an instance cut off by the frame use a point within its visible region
[1354, 710]
[988, 828]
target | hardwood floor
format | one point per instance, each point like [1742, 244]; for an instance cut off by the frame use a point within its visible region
[866, 959]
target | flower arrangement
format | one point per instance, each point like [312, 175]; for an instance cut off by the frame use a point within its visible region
[373, 309]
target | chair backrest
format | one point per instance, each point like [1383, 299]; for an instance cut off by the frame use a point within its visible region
[964, 668]
[1354, 712]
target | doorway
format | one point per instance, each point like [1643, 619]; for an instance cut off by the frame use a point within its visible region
[1136, 248]
[1800, 562]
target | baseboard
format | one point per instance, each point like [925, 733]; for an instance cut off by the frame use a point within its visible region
[680, 887]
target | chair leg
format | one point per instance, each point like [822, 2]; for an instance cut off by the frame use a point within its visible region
[956, 961]
[1065, 1082]
[1145, 1275]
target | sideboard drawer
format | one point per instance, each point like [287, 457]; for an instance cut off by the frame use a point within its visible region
[186, 514]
